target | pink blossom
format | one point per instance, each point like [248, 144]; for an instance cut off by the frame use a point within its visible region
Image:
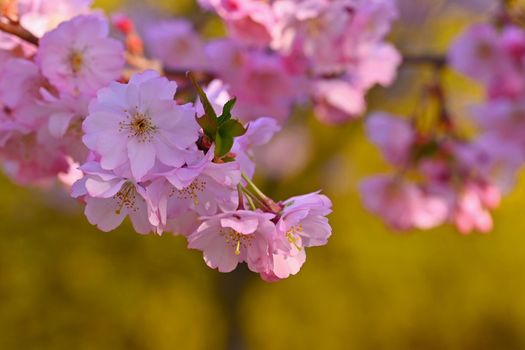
[401, 204]
[111, 198]
[503, 118]
[338, 101]
[176, 44]
[260, 132]
[136, 124]
[393, 135]
[231, 238]
[205, 187]
[72, 175]
[20, 82]
[66, 113]
[316, 26]
[262, 82]
[78, 57]
[470, 206]
[498, 160]
[40, 16]
[249, 21]
[333, 35]
[476, 53]
[303, 223]
[378, 66]
[32, 159]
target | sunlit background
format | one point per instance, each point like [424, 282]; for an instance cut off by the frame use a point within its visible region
[66, 285]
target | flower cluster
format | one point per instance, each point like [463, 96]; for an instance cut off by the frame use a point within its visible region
[77, 105]
[496, 59]
[283, 53]
[45, 92]
[152, 160]
[438, 179]
[444, 175]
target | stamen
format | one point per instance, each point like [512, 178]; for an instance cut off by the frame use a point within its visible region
[292, 234]
[140, 126]
[126, 197]
[236, 240]
[76, 60]
[238, 248]
[192, 191]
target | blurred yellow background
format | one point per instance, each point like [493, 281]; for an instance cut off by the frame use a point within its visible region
[66, 285]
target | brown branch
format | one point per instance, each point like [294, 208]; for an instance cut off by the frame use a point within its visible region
[438, 61]
[18, 31]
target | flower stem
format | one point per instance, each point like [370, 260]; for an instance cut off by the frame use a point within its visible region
[248, 196]
[267, 201]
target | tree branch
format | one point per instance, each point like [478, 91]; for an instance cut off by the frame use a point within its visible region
[437, 61]
[18, 31]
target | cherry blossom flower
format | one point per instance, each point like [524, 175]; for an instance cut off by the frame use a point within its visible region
[32, 159]
[231, 238]
[249, 21]
[66, 112]
[401, 204]
[303, 223]
[476, 53]
[42, 16]
[392, 135]
[262, 82]
[78, 57]
[337, 101]
[111, 198]
[139, 123]
[20, 82]
[176, 44]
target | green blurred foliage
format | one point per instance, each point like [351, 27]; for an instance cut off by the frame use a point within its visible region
[66, 285]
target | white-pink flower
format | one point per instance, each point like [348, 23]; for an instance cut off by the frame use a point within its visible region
[79, 57]
[40, 16]
[203, 187]
[302, 224]
[138, 124]
[176, 44]
[20, 111]
[110, 198]
[263, 82]
[393, 135]
[476, 53]
[231, 238]
[401, 204]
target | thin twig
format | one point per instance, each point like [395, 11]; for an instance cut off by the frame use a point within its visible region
[433, 60]
[19, 31]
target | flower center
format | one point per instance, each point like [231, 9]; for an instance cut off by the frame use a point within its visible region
[76, 60]
[125, 198]
[140, 126]
[192, 191]
[235, 239]
[293, 236]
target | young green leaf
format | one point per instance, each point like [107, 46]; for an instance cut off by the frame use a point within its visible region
[227, 111]
[223, 144]
[232, 128]
[208, 121]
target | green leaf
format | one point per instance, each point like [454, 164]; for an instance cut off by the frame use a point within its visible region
[223, 144]
[227, 111]
[209, 121]
[210, 128]
[232, 128]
